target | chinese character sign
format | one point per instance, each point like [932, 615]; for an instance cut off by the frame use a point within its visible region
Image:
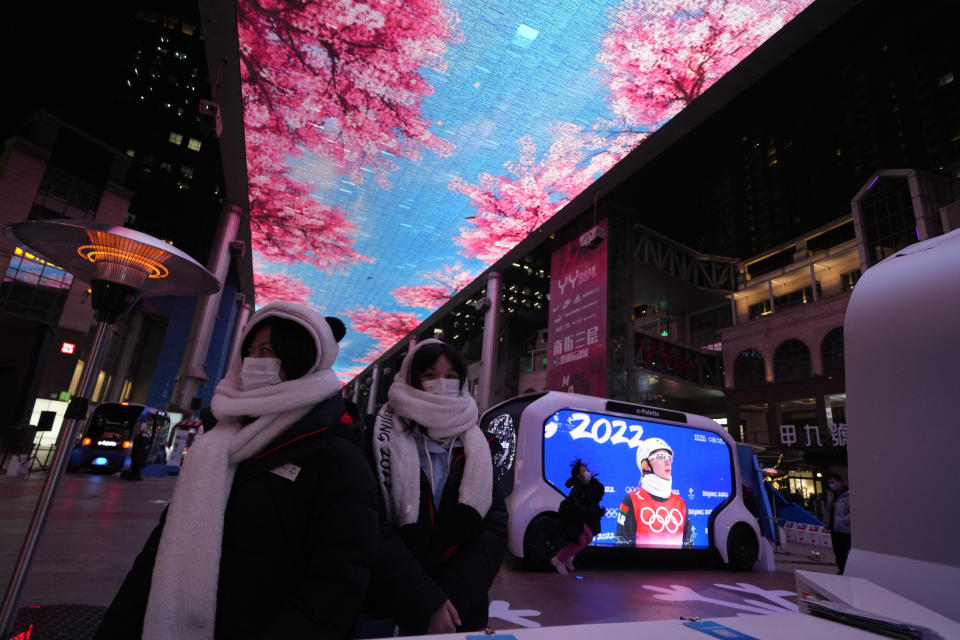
[838, 432]
[790, 436]
[578, 318]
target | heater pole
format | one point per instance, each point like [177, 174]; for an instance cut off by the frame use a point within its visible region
[121, 265]
[74, 419]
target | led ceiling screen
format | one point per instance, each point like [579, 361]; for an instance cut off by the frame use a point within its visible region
[396, 148]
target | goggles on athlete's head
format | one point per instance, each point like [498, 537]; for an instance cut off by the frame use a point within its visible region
[661, 455]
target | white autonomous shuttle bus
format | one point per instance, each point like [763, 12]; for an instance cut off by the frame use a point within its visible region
[696, 504]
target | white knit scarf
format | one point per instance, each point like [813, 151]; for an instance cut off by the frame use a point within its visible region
[657, 486]
[183, 593]
[443, 418]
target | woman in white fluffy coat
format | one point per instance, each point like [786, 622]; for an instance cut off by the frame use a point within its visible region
[435, 471]
[273, 524]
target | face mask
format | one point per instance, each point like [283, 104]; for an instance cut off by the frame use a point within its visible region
[259, 372]
[443, 387]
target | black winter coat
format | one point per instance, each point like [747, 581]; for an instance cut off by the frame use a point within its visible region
[450, 552]
[297, 554]
[581, 507]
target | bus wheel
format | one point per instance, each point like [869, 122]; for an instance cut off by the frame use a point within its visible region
[542, 540]
[742, 547]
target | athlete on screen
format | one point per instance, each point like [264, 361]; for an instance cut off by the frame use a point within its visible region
[652, 515]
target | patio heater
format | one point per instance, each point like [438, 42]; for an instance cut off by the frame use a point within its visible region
[121, 265]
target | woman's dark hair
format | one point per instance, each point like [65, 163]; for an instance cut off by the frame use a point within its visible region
[427, 355]
[292, 343]
[835, 476]
[575, 467]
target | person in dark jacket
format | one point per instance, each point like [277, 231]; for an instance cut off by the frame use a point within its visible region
[138, 456]
[838, 519]
[435, 471]
[580, 514]
[273, 525]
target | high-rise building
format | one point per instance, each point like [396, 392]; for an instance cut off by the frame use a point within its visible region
[133, 76]
[159, 94]
[117, 131]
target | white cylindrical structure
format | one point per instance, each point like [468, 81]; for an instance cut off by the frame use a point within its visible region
[192, 374]
[243, 314]
[901, 352]
[372, 398]
[122, 370]
[491, 334]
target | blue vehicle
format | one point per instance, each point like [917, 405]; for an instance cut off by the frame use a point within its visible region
[108, 440]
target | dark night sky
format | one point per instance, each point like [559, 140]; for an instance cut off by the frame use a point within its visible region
[61, 57]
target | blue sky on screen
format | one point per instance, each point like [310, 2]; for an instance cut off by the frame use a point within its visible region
[518, 68]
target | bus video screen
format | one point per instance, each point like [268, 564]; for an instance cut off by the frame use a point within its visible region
[661, 481]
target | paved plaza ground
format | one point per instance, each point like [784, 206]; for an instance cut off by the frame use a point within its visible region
[99, 523]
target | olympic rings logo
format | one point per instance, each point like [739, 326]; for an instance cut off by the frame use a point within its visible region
[662, 519]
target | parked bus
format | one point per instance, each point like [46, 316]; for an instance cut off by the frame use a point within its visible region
[107, 441]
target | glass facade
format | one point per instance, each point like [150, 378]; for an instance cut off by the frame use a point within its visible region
[888, 218]
[792, 361]
[33, 287]
[831, 351]
[749, 369]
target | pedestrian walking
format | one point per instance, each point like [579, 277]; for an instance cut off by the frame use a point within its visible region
[838, 519]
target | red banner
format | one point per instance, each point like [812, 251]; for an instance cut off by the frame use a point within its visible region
[577, 332]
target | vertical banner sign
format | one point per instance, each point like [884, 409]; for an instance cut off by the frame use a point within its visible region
[577, 330]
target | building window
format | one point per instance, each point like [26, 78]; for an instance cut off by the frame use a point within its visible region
[831, 350]
[34, 288]
[792, 362]
[783, 302]
[749, 369]
[849, 279]
[175, 138]
[194, 144]
[705, 326]
[166, 166]
[888, 220]
[186, 172]
[759, 309]
[794, 298]
[63, 195]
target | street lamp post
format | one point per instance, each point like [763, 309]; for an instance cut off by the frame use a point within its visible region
[121, 265]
